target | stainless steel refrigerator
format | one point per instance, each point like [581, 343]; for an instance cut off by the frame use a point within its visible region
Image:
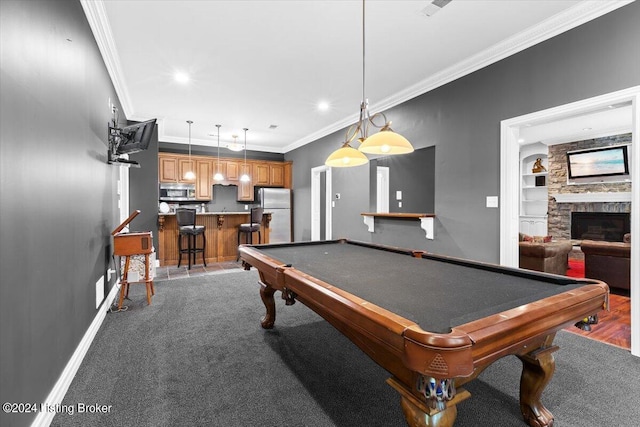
[278, 202]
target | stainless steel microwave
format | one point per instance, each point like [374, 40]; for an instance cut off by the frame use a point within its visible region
[176, 192]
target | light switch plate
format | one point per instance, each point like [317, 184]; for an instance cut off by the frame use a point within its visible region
[492, 201]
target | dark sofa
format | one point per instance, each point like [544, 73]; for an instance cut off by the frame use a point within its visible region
[608, 261]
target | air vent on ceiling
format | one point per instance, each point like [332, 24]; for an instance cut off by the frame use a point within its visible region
[434, 7]
[273, 126]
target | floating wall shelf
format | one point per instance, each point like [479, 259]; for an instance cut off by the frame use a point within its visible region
[426, 220]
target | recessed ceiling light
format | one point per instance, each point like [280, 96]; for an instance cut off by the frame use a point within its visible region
[323, 106]
[181, 77]
[586, 128]
[520, 139]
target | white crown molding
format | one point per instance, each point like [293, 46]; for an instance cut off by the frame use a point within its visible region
[575, 16]
[97, 16]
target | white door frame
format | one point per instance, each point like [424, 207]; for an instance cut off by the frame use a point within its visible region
[316, 174]
[509, 186]
[382, 189]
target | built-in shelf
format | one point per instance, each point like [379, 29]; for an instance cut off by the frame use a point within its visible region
[623, 196]
[426, 220]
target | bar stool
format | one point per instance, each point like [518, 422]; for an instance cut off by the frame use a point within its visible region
[186, 219]
[248, 229]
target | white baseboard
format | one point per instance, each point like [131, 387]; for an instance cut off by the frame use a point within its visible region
[59, 390]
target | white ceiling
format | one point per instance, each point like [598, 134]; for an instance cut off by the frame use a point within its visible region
[260, 63]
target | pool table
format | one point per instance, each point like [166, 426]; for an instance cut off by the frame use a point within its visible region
[433, 322]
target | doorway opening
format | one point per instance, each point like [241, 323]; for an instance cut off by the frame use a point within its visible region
[510, 180]
[321, 203]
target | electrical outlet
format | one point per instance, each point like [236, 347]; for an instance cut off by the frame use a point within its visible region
[110, 272]
[399, 204]
[246, 207]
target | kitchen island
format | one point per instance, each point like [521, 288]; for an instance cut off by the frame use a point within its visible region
[221, 233]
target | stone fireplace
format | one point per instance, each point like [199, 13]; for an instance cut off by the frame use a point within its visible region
[605, 226]
[594, 197]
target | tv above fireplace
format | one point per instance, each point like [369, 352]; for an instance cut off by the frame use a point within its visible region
[605, 161]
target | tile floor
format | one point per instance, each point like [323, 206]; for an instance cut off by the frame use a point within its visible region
[173, 272]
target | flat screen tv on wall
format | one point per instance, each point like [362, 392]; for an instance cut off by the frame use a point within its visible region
[605, 161]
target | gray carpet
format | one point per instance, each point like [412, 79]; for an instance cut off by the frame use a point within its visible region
[198, 356]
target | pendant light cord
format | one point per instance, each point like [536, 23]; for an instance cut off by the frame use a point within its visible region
[189, 121]
[218, 166]
[245, 148]
[363, 54]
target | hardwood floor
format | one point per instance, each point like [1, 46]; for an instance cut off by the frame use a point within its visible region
[614, 326]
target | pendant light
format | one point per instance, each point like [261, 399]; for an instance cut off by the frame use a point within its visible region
[234, 146]
[385, 142]
[245, 176]
[218, 176]
[189, 175]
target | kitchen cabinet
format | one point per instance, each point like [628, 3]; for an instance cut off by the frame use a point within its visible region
[184, 166]
[172, 168]
[261, 175]
[276, 175]
[219, 167]
[168, 169]
[245, 189]
[233, 170]
[204, 180]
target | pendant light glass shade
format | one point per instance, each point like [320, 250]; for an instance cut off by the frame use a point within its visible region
[346, 156]
[386, 142]
[245, 176]
[189, 175]
[218, 176]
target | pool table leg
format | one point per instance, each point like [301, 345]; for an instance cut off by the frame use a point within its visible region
[266, 293]
[538, 368]
[418, 414]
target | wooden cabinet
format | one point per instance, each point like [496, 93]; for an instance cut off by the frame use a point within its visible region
[168, 169]
[204, 180]
[276, 175]
[219, 167]
[233, 170]
[184, 166]
[172, 167]
[245, 189]
[288, 174]
[261, 174]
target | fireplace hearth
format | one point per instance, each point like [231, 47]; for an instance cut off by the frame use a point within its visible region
[607, 226]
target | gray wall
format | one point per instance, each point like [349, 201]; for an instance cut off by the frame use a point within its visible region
[462, 120]
[144, 191]
[58, 196]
